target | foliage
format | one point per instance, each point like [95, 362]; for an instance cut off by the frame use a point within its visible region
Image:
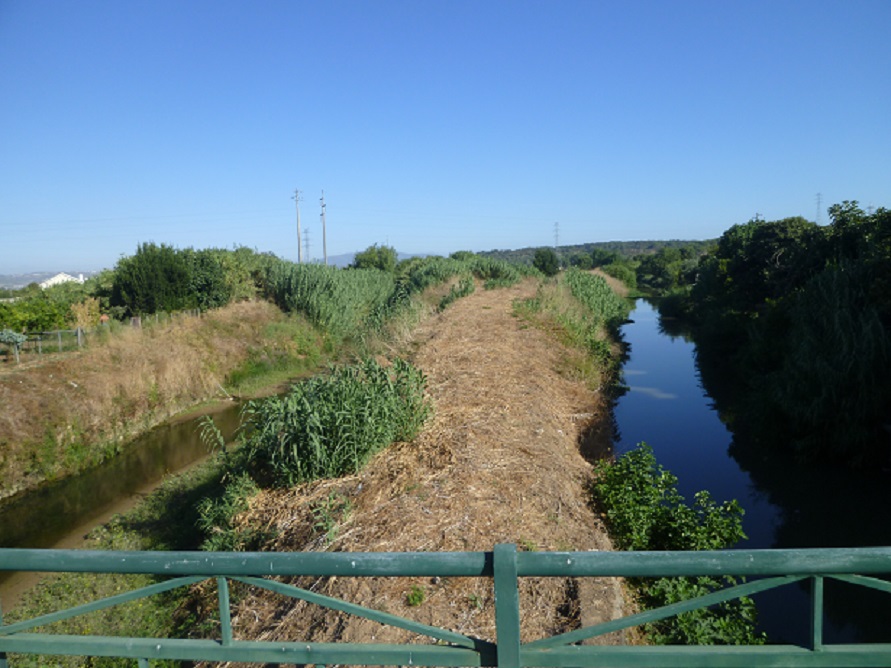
[329, 513]
[546, 261]
[644, 511]
[208, 286]
[376, 257]
[217, 515]
[597, 296]
[13, 339]
[86, 313]
[36, 313]
[339, 301]
[156, 278]
[330, 425]
[623, 271]
[669, 268]
[465, 286]
[801, 315]
[832, 384]
[416, 596]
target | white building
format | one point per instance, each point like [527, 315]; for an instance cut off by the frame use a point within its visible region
[61, 278]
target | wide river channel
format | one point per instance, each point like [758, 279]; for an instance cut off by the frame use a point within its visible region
[786, 506]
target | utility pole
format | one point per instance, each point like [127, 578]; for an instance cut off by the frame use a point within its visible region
[324, 237]
[296, 199]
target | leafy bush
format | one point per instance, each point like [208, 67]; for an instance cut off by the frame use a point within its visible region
[332, 425]
[463, 288]
[644, 511]
[216, 517]
[546, 261]
[597, 296]
[376, 257]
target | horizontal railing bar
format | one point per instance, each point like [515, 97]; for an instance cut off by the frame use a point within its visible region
[817, 561]
[209, 564]
[709, 656]
[865, 560]
[371, 654]
[643, 656]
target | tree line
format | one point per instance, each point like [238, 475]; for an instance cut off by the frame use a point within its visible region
[799, 316]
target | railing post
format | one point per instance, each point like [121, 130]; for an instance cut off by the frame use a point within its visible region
[225, 613]
[507, 606]
[817, 612]
[3, 663]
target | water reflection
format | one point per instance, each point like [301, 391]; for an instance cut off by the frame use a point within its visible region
[45, 516]
[679, 404]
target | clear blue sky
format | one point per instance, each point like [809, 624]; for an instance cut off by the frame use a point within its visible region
[431, 125]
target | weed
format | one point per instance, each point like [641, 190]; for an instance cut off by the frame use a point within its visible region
[416, 596]
[329, 513]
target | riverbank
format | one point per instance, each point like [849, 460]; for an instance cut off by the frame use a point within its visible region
[65, 413]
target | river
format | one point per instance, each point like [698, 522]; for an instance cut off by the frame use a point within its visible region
[786, 506]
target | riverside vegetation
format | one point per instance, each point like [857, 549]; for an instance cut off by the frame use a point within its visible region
[331, 425]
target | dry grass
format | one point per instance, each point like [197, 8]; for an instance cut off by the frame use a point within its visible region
[65, 412]
[497, 463]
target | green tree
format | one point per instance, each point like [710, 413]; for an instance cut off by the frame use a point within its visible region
[156, 278]
[376, 257]
[207, 279]
[546, 261]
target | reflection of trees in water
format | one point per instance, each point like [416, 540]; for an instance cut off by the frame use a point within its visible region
[819, 507]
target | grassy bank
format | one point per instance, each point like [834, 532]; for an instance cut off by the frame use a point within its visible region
[66, 413]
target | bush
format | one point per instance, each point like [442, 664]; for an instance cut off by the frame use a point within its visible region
[644, 511]
[330, 426]
[546, 261]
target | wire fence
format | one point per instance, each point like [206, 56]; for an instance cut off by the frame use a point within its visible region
[72, 340]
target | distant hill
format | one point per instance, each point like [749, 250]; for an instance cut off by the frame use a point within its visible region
[627, 249]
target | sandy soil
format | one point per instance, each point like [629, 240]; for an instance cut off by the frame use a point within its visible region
[497, 463]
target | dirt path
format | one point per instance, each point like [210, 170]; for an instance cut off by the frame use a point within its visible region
[497, 463]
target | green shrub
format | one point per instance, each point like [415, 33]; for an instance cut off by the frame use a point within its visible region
[332, 425]
[644, 511]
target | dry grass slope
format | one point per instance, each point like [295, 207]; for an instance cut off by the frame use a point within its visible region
[66, 412]
[498, 462]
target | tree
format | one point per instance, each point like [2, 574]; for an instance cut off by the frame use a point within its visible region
[546, 261]
[376, 257]
[156, 278]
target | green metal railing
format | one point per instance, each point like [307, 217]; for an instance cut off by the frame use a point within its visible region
[764, 569]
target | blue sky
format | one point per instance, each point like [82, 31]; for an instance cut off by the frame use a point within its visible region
[431, 125]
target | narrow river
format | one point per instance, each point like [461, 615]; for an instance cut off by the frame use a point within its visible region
[59, 514]
[786, 506]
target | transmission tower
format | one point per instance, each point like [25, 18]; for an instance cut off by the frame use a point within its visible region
[296, 199]
[306, 243]
[324, 236]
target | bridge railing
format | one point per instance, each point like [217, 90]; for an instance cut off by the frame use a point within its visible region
[505, 565]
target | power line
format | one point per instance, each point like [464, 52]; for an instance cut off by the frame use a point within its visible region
[296, 199]
[324, 238]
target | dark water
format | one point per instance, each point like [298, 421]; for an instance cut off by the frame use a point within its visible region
[786, 506]
[49, 515]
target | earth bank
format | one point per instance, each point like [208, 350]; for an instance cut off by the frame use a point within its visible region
[497, 463]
